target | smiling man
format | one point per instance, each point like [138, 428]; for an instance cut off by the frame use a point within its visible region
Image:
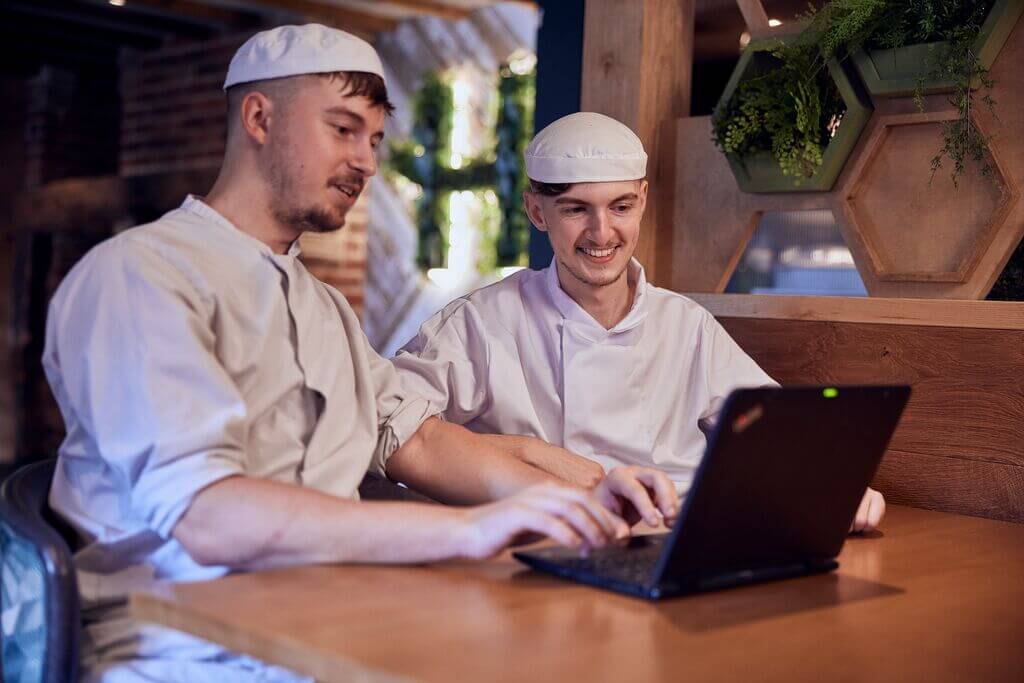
[586, 354]
[222, 405]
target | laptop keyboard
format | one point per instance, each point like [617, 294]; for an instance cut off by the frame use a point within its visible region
[632, 564]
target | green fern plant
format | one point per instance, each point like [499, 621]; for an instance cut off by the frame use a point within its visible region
[785, 109]
[771, 113]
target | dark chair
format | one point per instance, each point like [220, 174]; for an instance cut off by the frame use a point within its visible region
[376, 487]
[41, 620]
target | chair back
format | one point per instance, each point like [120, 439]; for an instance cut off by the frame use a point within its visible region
[41, 621]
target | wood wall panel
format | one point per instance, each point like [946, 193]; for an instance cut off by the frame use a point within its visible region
[712, 219]
[963, 429]
[966, 487]
[637, 59]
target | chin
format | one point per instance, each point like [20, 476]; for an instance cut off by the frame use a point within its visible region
[599, 275]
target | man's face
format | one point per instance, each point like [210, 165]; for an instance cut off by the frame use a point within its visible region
[320, 152]
[593, 227]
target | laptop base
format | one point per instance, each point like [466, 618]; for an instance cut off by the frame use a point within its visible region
[612, 576]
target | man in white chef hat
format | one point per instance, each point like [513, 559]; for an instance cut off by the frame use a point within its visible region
[585, 354]
[222, 405]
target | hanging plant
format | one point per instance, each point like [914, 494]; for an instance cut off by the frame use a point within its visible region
[425, 160]
[422, 160]
[783, 108]
[945, 44]
[919, 47]
[516, 95]
[788, 119]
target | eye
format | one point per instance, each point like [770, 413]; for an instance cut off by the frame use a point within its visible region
[344, 131]
[573, 210]
[623, 207]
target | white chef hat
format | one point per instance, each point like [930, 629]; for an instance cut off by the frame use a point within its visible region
[585, 147]
[296, 50]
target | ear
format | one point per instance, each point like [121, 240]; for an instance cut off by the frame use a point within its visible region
[643, 195]
[531, 203]
[255, 114]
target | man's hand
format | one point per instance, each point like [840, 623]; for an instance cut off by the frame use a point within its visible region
[870, 512]
[569, 515]
[636, 493]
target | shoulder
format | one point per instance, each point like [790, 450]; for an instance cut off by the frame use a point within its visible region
[147, 256]
[676, 308]
[501, 293]
[474, 317]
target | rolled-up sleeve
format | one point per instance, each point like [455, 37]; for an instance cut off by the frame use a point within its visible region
[400, 411]
[131, 353]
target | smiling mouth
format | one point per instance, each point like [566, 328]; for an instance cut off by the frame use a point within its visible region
[598, 254]
[349, 190]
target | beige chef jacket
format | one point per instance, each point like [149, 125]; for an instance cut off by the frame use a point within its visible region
[182, 352]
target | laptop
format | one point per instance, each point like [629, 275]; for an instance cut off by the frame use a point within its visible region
[774, 496]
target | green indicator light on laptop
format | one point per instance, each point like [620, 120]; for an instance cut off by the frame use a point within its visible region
[829, 392]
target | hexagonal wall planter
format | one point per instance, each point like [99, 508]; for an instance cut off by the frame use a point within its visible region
[896, 72]
[760, 173]
[907, 230]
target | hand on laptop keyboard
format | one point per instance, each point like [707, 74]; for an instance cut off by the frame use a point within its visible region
[639, 493]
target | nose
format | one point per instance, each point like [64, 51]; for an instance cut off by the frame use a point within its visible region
[599, 229]
[364, 161]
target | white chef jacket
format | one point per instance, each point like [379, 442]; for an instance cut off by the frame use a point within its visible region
[180, 353]
[521, 357]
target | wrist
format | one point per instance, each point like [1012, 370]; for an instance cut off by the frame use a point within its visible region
[461, 533]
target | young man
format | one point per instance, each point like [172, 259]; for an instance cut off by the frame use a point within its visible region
[222, 405]
[586, 354]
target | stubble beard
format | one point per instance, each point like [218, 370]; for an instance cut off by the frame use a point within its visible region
[590, 280]
[288, 213]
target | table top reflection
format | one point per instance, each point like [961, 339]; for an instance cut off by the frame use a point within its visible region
[932, 597]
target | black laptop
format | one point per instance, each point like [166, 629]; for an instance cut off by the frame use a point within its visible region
[774, 497]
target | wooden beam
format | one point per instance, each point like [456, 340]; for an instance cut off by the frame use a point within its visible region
[637, 60]
[333, 15]
[434, 7]
[993, 315]
[755, 17]
[188, 11]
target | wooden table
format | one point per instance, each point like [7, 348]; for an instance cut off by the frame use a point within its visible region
[934, 597]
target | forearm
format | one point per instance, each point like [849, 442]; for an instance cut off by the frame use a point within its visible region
[560, 462]
[452, 464]
[278, 524]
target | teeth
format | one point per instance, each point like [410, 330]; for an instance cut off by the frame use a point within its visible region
[598, 253]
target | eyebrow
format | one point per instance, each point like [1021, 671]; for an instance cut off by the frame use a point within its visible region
[573, 200]
[345, 111]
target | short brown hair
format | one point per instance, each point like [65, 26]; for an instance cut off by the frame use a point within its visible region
[363, 84]
[549, 189]
[353, 84]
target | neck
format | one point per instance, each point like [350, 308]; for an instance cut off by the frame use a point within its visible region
[608, 304]
[245, 202]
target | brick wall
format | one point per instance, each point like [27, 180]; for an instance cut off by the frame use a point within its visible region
[339, 258]
[173, 124]
[70, 125]
[173, 106]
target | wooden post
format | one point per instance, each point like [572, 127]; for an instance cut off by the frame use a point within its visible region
[637, 62]
[755, 17]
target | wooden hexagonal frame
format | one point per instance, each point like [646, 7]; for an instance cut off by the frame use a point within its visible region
[861, 233]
